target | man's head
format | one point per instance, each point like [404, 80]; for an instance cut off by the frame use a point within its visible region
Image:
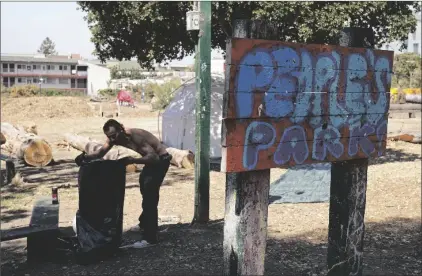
[113, 130]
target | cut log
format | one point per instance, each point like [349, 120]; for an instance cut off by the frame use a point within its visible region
[88, 145]
[2, 139]
[31, 148]
[181, 158]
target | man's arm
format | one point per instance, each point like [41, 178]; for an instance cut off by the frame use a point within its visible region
[100, 152]
[150, 156]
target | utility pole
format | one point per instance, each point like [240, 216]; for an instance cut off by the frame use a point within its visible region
[201, 20]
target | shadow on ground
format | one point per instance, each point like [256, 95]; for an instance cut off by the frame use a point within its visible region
[391, 248]
[62, 172]
[395, 155]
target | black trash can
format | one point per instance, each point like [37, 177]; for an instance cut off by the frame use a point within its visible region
[99, 220]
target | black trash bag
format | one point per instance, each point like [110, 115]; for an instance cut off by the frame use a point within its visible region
[99, 220]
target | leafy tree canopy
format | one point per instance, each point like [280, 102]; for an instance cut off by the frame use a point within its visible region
[48, 47]
[156, 31]
[407, 70]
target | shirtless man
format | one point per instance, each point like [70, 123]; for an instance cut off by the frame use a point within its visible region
[156, 160]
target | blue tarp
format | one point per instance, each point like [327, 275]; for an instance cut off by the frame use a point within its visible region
[302, 184]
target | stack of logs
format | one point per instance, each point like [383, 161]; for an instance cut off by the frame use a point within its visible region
[181, 158]
[25, 144]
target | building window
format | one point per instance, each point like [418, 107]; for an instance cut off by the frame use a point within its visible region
[29, 81]
[60, 67]
[65, 67]
[63, 81]
[12, 81]
[51, 81]
[5, 81]
[82, 68]
[12, 68]
[81, 83]
[50, 67]
[19, 79]
[19, 66]
[72, 83]
[5, 67]
[43, 67]
[35, 80]
[416, 48]
[28, 67]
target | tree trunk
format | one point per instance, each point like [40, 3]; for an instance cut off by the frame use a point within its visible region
[88, 145]
[181, 158]
[31, 148]
[2, 139]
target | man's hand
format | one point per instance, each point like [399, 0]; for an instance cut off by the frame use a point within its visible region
[80, 159]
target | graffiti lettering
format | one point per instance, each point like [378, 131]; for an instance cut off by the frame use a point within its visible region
[259, 136]
[330, 103]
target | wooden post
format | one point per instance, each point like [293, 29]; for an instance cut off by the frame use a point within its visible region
[348, 193]
[247, 194]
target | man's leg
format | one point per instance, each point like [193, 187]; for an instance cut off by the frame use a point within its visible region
[143, 178]
[151, 199]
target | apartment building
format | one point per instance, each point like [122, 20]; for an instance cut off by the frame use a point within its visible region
[414, 41]
[54, 72]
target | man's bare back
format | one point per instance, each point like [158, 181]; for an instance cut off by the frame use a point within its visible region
[139, 140]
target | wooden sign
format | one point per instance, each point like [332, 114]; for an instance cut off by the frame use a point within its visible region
[288, 104]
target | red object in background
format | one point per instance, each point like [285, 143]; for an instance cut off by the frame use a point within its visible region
[124, 96]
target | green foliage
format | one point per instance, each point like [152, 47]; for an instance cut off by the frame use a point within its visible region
[407, 71]
[114, 72]
[34, 90]
[108, 92]
[48, 47]
[163, 94]
[134, 74]
[157, 30]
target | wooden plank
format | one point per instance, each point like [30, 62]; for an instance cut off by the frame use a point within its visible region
[41, 245]
[266, 132]
[247, 195]
[272, 53]
[17, 233]
[45, 214]
[250, 157]
[348, 195]
[306, 88]
[22, 232]
[315, 103]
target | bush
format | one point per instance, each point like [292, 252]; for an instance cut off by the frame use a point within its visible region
[108, 92]
[34, 90]
[163, 94]
[24, 91]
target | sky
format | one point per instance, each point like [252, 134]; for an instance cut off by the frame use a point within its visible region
[24, 25]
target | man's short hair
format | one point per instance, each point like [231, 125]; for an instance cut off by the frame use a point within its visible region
[112, 123]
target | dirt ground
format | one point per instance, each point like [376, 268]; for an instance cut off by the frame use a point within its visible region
[297, 233]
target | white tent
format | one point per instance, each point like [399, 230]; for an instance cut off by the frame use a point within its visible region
[178, 119]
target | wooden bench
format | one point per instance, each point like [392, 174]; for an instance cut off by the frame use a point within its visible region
[42, 233]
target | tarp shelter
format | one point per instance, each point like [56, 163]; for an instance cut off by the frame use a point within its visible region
[124, 96]
[178, 119]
